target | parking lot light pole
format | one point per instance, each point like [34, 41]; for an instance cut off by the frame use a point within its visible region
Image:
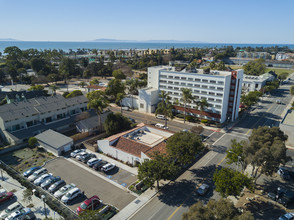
[43, 198]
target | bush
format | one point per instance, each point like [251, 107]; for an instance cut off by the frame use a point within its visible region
[116, 123]
[204, 121]
[180, 115]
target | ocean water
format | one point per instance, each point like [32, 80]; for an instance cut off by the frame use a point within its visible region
[41, 45]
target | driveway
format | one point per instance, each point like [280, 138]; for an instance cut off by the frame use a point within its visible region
[89, 183]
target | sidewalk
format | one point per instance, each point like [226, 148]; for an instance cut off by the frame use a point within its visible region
[138, 203]
[11, 184]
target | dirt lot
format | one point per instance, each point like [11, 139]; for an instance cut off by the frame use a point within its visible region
[25, 158]
[89, 183]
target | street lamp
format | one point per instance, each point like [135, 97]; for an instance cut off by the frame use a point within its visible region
[239, 158]
[43, 198]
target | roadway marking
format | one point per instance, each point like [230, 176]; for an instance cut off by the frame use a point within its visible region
[219, 138]
[258, 120]
[235, 134]
[209, 136]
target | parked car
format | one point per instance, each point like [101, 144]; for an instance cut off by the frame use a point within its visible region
[125, 108]
[108, 167]
[37, 174]
[93, 161]
[10, 209]
[76, 152]
[272, 196]
[203, 189]
[50, 181]
[81, 155]
[42, 179]
[56, 186]
[278, 101]
[99, 165]
[89, 204]
[286, 198]
[88, 157]
[158, 125]
[58, 194]
[70, 195]
[287, 216]
[21, 214]
[30, 171]
[284, 173]
[6, 196]
[160, 117]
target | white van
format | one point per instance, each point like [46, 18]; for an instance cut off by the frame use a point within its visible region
[158, 125]
[12, 208]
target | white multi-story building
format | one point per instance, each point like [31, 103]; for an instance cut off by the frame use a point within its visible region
[256, 83]
[221, 89]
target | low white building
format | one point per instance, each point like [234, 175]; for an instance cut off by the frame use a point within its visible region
[135, 145]
[54, 142]
[256, 83]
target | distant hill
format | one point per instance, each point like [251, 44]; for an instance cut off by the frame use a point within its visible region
[8, 39]
[145, 41]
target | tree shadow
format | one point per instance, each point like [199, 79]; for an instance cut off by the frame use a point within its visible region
[218, 148]
[79, 199]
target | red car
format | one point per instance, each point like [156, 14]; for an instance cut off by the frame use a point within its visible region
[6, 196]
[89, 204]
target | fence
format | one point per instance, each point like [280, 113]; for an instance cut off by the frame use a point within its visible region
[51, 201]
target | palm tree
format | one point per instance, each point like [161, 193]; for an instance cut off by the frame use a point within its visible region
[133, 88]
[165, 107]
[95, 51]
[97, 101]
[119, 97]
[187, 97]
[53, 87]
[202, 105]
[82, 84]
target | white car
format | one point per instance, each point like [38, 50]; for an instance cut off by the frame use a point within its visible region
[71, 194]
[21, 214]
[76, 152]
[37, 174]
[93, 161]
[42, 179]
[10, 209]
[160, 117]
[81, 155]
[158, 125]
[108, 167]
[58, 194]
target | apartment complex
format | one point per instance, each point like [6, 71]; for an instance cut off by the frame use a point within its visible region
[22, 120]
[221, 89]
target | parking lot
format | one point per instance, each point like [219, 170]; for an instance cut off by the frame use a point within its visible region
[90, 183]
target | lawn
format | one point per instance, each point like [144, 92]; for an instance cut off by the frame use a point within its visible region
[25, 158]
[278, 71]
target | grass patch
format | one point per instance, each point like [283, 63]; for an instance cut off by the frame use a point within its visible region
[278, 71]
[25, 158]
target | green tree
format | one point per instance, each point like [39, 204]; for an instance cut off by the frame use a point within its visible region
[27, 195]
[37, 64]
[13, 53]
[32, 142]
[90, 215]
[82, 84]
[283, 76]
[202, 104]
[165, 107]
[256, 67]
[235, 154]
[184, 146]
[118, 74]
[158, 168]
[229, 182]
[116, 123]
[94, 82]
[251, 98]
[74, 94]
[95, 51]
[54, 87]
[97, 101]
[266, 150]
[221, 66]
[292, 90]
[114, 87]
[36, 87]
[222, 209]
[187, 98]
[67, 67]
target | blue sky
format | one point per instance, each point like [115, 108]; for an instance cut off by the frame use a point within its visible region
[215, 21]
